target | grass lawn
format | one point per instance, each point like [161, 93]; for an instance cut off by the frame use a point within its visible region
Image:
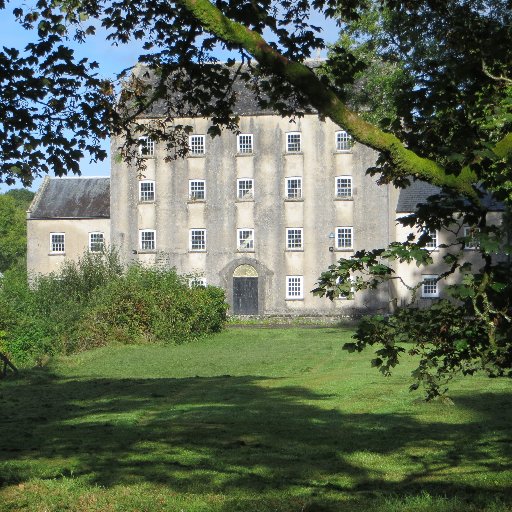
[251, 420]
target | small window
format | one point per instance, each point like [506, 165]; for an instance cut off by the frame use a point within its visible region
[245, 143]
[432, 244]
[294, 239]
[245, 239]
[294, 287]
[293, 188]
[245, 187]
[196, 189]
[350, 295]
[198, 239]
[470, 234]
[343, 141]
[57, 243]
[196, 144]
[147, 239]
[196, 282]
[146, 191]
[429, 288]
[146, 146]
[343, 186]
[344, 238]
[293, 142]
[96, 242]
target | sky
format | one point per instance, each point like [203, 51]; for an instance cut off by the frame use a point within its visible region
[111, 60]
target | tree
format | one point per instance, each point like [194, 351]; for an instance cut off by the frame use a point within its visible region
[449, 123]
[13, 226]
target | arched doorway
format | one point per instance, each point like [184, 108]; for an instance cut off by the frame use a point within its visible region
[245, 290]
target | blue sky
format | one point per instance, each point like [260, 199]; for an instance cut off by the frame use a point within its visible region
[112, 59]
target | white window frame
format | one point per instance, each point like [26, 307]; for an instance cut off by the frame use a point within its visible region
[146, 146]
[245, 143]
[430, 286]
[288, 194]
[147, 196]
[344, 141]
[434, 234]
[341, 237]
[245, 239]
[57, 246]
[193, 194]
[291, 239]
[249, 192]
[147, 243]
[350, 296]
[471, 244]
[343, 191]
[93, 244]
[197, 144]
[294, 287]
[197, 240]
[196, 281]
[293, 142]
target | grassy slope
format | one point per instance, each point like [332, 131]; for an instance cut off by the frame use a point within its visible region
[250, 420]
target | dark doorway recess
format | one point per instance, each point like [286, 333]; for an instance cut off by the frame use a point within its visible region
[245, 295]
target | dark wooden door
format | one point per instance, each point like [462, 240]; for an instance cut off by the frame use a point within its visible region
[245, 295]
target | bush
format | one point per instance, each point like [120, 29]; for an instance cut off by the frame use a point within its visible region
[92, 303]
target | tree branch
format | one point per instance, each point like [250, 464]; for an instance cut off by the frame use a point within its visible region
[326, 102]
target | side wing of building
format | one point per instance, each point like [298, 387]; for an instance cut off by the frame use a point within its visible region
[67, 217]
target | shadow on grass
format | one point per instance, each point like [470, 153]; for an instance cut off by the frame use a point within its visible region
[230, 434]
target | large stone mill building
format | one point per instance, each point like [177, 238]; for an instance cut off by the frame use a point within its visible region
[260, 214]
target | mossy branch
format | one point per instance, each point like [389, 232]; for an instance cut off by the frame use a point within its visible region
[322, 98]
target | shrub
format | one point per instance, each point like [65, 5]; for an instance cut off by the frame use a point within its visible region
[92, 303]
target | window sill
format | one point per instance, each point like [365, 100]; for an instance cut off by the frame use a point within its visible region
[294, 299]
[245, 154]
[342, 151]
[199, 155]
[244, 200]
[432, 297]
[288, 153]
[146, 251]
[202, 251]
[196, 201]
[288, 249]
[246, 250]
[147, 157]
[56, 254]
[147, 202]
[344, 249]
[348, 198]
[293, 199]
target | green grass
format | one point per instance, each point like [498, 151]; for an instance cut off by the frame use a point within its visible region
[254, 420]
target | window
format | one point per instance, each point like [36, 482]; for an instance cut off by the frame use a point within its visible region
[245, 143]
[196, 144]
[294, 238]
[146, 191]
[196, 189]
[57, 243]
[146, 146]
[343, 141]
[344, 238]
[96, 242]
[245, 239]
[147, 239]
[432, 233]
[294, 287]
[245, 188]
[293, 188]
[293, 142]
[470, 234]
[343, 186]
[350, 295]
[429, 287]
[198, 239]
[196, 281]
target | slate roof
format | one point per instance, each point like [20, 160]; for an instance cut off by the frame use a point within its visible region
[419, 191]
[72, 198]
